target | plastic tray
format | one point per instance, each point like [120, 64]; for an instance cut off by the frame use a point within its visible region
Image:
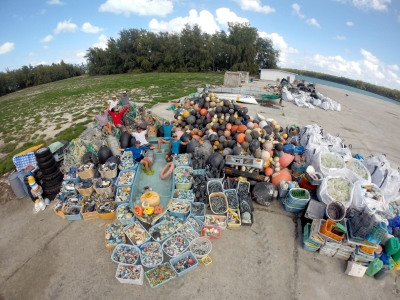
[193, 233]
[140, 226]
[182, 256]
[125, 245]
[125, 185]
[117, 193]
[111, 248]
[156, 264]
[190, 199]
[202, 233]
[231, 190]
[163, 282]
[131, 281]
[203, 208]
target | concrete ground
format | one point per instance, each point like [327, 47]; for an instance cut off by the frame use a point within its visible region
[45, 257]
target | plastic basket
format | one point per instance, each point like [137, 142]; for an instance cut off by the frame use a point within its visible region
[290, 208]
[155, 264]
[104, 190]
[112, 247]
[243, 183]
[59, 213]
[86, 191]
[313, 181]
[325, 232]
[130, 182]
[195, 222]
[233, 224]
[199, 172]
[335, 211]
[86, 174]
[139, 226]
[315, 210]
[187, 231]
[109, 173]
[211, 205]
[138, 281]
[298, 197]
[217, 183]
[216, 232]
[182, 186]
[233, 194]
[126, 221]
[118, 192]
[24, 160]
[179, 214]
[158, 225]
[126, 246]
[218, 219]
[184, 255]
[189, 192]
[87, 216]
[202, 208]
[181, 250]
[180, 156]
[73, 217]
[217, 179]
[201, 240]
[109, 215]
[150, 274]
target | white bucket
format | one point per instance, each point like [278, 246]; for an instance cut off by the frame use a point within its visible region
[370, 209]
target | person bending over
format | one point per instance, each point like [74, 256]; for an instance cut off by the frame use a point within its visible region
[102, 118]
[138, 157]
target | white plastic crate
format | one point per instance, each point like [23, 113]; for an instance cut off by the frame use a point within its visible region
[138, 281]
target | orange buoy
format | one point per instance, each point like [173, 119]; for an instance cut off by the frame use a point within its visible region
[268, 171]
[241, 128]
[240, 138]
[203, 111]
[168, 168]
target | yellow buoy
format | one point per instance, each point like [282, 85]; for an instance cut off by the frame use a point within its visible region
[152, 198]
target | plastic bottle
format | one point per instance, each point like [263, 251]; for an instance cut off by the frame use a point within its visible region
[385, 271]
[396, 256]
[374, 267]
[392, 246]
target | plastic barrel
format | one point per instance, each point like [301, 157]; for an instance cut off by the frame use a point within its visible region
[21, 176]
[16, 185]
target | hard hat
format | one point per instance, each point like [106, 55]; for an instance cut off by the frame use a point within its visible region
[31, 179]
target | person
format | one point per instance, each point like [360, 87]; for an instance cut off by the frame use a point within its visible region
[102, 118]
[174, 147]
[125, 98]
[111, 103]
[167, 127]
[141, 136]
[138, 157]
[116, 115]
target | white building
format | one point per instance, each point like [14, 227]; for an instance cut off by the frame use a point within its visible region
[275, 74]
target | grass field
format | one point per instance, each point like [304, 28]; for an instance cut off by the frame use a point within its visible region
[56, 111]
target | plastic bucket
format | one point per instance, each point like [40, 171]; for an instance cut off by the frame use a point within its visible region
[16, 185]
[335, 211]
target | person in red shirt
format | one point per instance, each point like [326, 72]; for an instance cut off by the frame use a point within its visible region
[116, 115]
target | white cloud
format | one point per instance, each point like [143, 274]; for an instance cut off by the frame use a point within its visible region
[32, 54]
[55, 2]
[47, 38]
[346, 50]
[225, 15]
[254, 5]
[313, 22]
[139, 7]
[340, 38]
[279, 44]
[89, 28]
[6, 47]
[65, 26]
[394, 67]
[81, 54]
[296, 11]
[102, 42]
[368, 56]
[349, 23]
[45, 47]
[204, 19]
[40, 63]
[371, 4]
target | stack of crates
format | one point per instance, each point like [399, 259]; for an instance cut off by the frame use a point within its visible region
[344, 252]
[330, 248]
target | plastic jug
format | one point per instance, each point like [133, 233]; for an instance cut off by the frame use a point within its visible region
[374, 267]
[392, 246]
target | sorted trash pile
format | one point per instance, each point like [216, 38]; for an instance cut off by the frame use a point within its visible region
[348, 204]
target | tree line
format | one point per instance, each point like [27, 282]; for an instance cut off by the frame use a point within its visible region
[376, 89]
[191, 50]
[27, 76]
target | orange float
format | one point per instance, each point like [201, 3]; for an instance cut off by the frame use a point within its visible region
[216, 143]
[241, 128]
[283, 174]
[271, 153]
[234, 128]
[158, 209]
[203, 111]
[255, 125]
[285, 160]
[228, 126]
[139, 210]
[196, 107]
[268, 171]
[241, 137]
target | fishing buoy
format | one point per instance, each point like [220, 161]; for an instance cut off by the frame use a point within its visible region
[167, 170]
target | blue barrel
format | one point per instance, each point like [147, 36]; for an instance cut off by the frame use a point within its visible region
[16, 185]
[251, 79]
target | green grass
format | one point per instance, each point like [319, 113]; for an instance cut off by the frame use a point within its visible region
[78, 96]
[8, 148]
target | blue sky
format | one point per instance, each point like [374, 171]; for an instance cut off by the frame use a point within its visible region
[358, 39]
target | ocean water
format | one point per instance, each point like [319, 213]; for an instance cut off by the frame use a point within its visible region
[345, 87]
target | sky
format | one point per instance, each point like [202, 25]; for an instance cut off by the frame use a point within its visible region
[357, 39]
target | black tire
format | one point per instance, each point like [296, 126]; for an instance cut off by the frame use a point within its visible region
[52, 176]
[49, 170]
[42, 152]
[51, 196]
[51, 183]
[47, 164]
[52, 190]
[45, 158]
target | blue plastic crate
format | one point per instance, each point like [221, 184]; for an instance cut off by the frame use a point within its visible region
[158, 225]
[140, 225]
[75, 217]
[126, 221]
[175, 160]
[173, 236]
[199, 172]
[181, 256]
[201, 217]
[22, 161]
[117, 193]
[180, 214]
[125, 185]
[141, 257]
[215, 182]
[187, 191]
[132, 247]
[197, 220]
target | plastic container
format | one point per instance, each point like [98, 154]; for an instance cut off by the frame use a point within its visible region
[130, 181]
[221, 188]
[233, 224]
[191, 198]
[16, 186]
[182, 186]
[119, 190]
[243, 183]
[181, 250]
[112, 247]
[217, 179]
[104, 190]
[374, 267]
[392, 246]
[59, 212]
[383, 273]
[202, 208]
[109, 174]
[234, 195]
[315, 181]
[315, 210]
[195, 222]
[138, 281]
[396, 257]
[152, 273]
[126, 221]
[87, 216]
[298, 197]
[109, 215]
[216, 232]
[177, 164]
[219, 221]
[179, 214]
[86, 174]
[335, 211]
[131, 247]
[155, 264]
[73, 217]
[201, 240]
[290, 208]
[199, 172]
[354, 269]
[176, 259]
[376, 234]
[137, 223]
[326, 233]
[156, 226]
[212, 207]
